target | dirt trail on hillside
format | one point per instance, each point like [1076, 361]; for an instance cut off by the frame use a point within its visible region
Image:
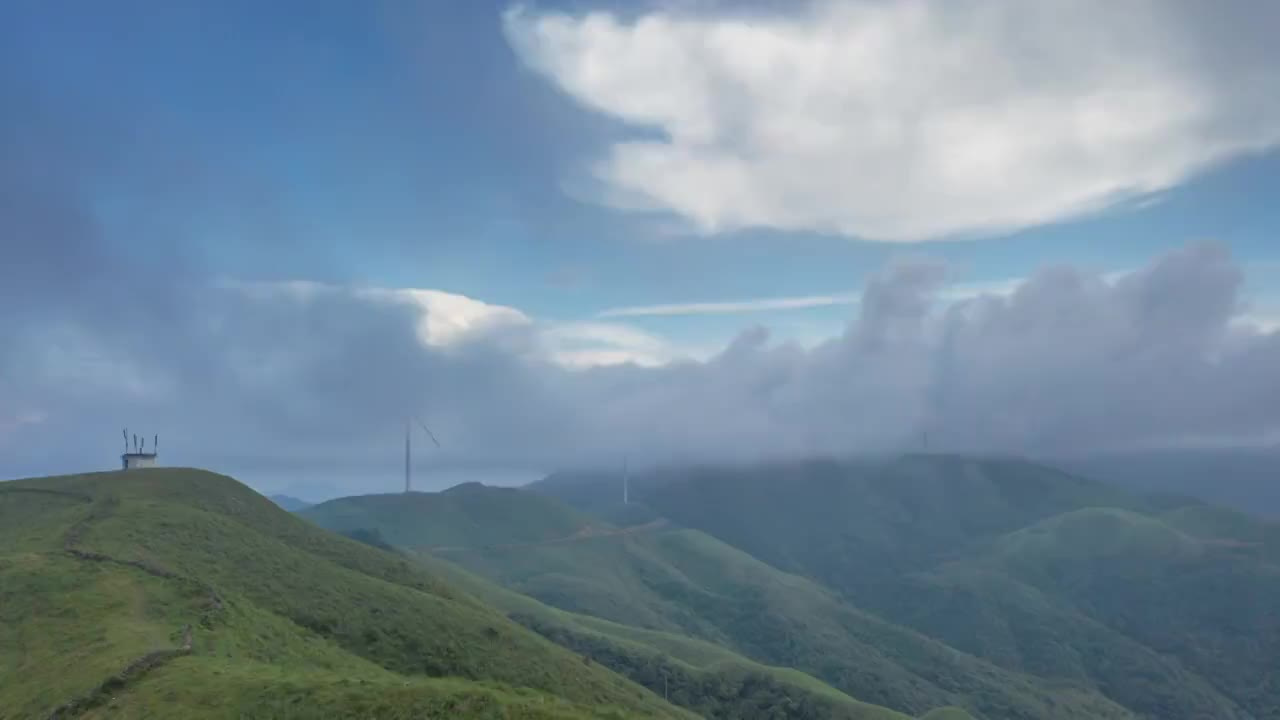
[100, 509]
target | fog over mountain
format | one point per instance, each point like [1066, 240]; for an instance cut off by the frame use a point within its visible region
[1069, 361]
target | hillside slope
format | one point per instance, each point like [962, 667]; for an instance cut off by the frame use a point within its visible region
[1171, 623]
[710, 680]
[465, 515]
[685, 582]
[853, 525]
[1161, 604]
[180, 593]
[706, 678]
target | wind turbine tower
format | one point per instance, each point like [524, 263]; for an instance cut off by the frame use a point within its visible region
[408, 431]
[626, 482]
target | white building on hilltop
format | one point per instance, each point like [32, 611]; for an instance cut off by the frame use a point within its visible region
[139, 458]
[130, 461]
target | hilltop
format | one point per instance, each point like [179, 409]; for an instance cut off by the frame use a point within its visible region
[464, 515]
[181, 593]
[290, 503]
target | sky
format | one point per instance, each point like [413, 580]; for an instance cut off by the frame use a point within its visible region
[568, 233]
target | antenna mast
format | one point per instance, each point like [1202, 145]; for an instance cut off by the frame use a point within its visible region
[626, 482]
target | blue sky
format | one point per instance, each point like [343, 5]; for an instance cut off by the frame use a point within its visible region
[482, 150]
[407, 146]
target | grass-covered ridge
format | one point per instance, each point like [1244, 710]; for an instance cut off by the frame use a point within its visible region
[685, 582]
[465, 515]
[706, 678]
[1161, 604]
[181, 593]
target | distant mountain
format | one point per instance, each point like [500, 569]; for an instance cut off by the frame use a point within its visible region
[1245, 479]
[1161, 612]
[597, 493]
[180, 593]
[706, 678]
[686, 583]
[1161, 604]
[292, 504]
[462, 516]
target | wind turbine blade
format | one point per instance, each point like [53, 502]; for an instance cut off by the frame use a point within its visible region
[428, 431]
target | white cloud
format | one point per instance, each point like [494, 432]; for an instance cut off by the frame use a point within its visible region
[730, 307]
[949, 293]
[450, 318]
[912, 120]
[594, 344]
[1265, 319]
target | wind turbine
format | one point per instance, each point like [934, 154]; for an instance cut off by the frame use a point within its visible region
[626, 482]
[408, 427]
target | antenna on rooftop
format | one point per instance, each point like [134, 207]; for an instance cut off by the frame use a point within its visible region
[138, 457]
[408, 478]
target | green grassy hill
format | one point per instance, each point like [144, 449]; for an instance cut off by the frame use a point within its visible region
[463, 516]
[706, 678]
[180, 593]
[1172, 622]
[1162, 604]
[853, 525]
[687, 583]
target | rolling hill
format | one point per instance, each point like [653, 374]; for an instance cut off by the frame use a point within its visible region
[683, 582]
[1161, 604]
[706, 678]
[290, 503]
[462, 516]
[1170, 622]
[181, 593]
[672, 582]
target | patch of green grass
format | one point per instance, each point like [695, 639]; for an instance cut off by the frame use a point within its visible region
[216, 688]
[65, 625]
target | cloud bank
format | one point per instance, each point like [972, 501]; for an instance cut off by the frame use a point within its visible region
[313, 385]
[912, 120]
